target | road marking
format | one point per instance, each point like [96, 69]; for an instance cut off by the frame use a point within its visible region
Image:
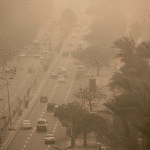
[24, 146]
[30, 134]
[26, 141]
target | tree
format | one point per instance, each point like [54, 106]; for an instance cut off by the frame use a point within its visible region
[69, 17]
[83, 122]
[93, 56]
[135, 31]
[133, 78]
[86, 95]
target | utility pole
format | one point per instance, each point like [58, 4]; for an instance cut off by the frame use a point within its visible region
[8, 102]
[72, 136]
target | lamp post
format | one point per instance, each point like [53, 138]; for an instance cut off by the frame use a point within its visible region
[8, 102]
[8, 97]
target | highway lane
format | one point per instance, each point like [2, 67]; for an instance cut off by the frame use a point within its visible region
[19, 86]
[36, 114]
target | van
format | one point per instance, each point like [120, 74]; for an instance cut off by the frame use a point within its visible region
[41, 125]
[51, 107]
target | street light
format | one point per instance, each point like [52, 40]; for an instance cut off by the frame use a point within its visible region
[8, 97]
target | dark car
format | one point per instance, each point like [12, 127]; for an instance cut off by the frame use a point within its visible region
[43, 98]
[51, 107]
[54, 75]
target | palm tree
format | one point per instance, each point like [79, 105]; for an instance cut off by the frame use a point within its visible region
[133, 79]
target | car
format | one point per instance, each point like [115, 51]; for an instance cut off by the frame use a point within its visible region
[77, 62]
[44, 98]
[26, 124]
[61, 79]
[41, 125]
[71, 43]
[37, 55]
[54, 75]
[30, 69]
[74, 35]
[65, 54]
[64, 72]
[80, 43]
[22, 55]
[49, 138]
[61, 68]
[50, 107]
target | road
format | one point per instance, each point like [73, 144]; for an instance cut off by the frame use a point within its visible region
[19, 85]
[56, 92]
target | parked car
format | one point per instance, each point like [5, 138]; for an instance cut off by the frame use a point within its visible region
[26, 124]
[49, 138]
[44, 98]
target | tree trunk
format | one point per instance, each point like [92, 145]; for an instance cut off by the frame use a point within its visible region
[3, 68]
[85, 143]
[98, 69]
[127, 133]
[90, 104]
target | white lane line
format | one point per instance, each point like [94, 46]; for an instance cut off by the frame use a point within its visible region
[24, 146]
[26, 141]
[30, 134]
[69, 89]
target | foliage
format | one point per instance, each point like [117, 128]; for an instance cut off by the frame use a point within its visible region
[93, 56]
[135, 31]
[69, 17]
[133, 78]
[81, 119]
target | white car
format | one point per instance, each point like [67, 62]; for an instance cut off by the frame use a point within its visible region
[37, 55]
[26, 124]
[80, 43]
[22, 55]
[49, 138]
[61, 78]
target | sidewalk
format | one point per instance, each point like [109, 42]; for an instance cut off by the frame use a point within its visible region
[91, 143]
